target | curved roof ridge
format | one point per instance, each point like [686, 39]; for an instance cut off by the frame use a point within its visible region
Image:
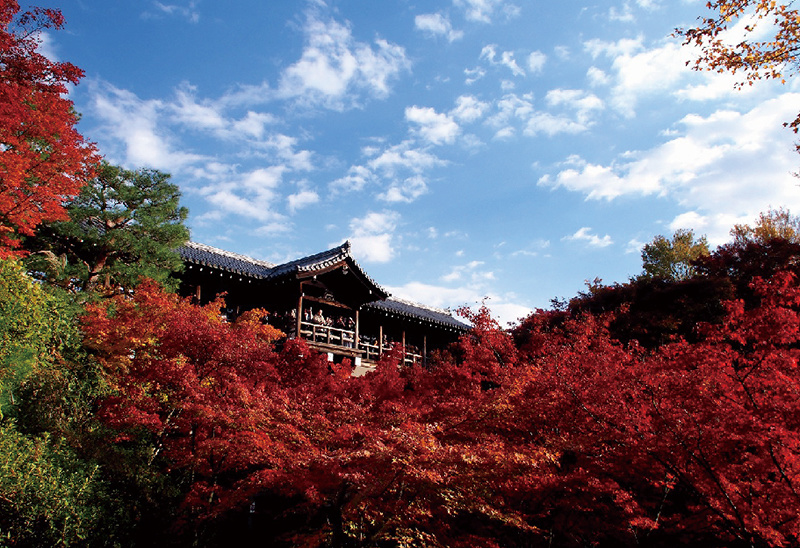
[322, 260]
[230, 254]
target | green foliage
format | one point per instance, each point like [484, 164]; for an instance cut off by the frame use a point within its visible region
[672, 259]
[48, 497]
[34, 327]
[124, 225]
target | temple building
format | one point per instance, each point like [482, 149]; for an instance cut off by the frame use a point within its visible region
[326, 299]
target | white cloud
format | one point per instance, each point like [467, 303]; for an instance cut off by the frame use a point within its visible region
[489, 53]
[504, 133]
[536, 61]
[253, 194]
[534, 249]
[637, 71]
[625, 47]
[503, 307]
[47, 46]
[372, 236]
[334, 64]
[356, 179]
[203, 117]
[634, 246]
[512, 107]
[301, 199]
[134, 123]
[404, 157]
[254, 124]
[593, 240]
[434, 127]
[473, 75]
[625, 15]
[478, 10]
[468, 109]
[597, 77]
[574, 112]
[722, 167]
[282, 148]
[507, 60]
[583, 103]
[188, 12]
[405, 191]
[437, 24]
[273, 229]
[470, 272]
[549, 124]
[562, 52]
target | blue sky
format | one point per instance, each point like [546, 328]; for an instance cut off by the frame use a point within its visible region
[467, 148]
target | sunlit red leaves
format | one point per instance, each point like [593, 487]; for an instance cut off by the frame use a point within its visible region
[43, 158]
[569, 437]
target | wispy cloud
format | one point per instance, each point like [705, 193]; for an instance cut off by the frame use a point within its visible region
[482, 11]
[356, 179]
[406, 190]
[592, 240]
[506, 59]
[133, 130]
[437, 24]
[335, 69]
[714, 167]
[404, 157]
[434, 127]
[187, 11]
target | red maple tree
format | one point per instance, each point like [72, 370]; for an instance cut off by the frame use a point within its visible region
[43, 158]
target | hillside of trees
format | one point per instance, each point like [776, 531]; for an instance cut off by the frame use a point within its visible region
[663, 411]
[657, 412]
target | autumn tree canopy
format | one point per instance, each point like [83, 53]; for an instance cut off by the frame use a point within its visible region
[728, 40]
[771, 224]
[43, 158]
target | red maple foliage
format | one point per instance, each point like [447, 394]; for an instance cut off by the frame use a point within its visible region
[43, 158]
[688, 443]
[568, 438]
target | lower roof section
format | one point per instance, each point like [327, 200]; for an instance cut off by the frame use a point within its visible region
[408, 309]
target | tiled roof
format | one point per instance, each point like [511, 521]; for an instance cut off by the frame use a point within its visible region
[420, 311]
[321, 261]
[241, 264]
[225, 260]
[318, 261]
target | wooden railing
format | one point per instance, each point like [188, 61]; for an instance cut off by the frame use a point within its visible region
[326, 334]
[345, 338]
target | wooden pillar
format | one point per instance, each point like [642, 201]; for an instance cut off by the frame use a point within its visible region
[424, 350]
[380, 340]
[356, 341]
[197, 294]
[299, 314]
[403, 342]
